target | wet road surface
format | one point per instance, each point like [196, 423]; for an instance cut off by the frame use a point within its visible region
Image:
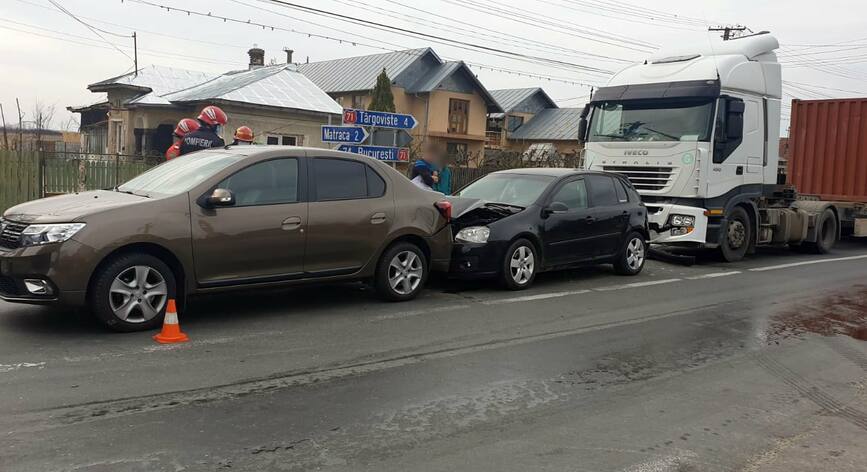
[759, 365]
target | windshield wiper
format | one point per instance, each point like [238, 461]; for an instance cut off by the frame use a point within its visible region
[618, 136]
[504, 205]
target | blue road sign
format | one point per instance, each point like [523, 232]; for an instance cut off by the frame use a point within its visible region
[343, 134]
[383, 153]
[379, 119]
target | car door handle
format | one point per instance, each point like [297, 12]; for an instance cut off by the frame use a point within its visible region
[291, 223]
[378, 218]
[589, 219]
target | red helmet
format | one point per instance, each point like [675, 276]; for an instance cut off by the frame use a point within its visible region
[187, 125]
[213, 116]
[244, 133]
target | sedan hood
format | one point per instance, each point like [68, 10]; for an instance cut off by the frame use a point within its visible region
[73, 207]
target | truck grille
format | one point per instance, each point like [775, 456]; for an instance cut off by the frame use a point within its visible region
[10, 233]
[645, 177]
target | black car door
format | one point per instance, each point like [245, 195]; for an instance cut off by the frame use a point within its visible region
[610, 215]
[567, 234]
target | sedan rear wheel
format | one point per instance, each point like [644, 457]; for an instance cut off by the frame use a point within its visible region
[631, 258]
[401, 273]
[519, 265]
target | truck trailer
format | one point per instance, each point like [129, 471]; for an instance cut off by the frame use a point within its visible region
[697, 133]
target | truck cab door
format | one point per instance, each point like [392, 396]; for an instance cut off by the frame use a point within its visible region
[739, 145]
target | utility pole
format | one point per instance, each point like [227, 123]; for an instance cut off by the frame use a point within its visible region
[20, 125]
[135, 52]
[5, 136]
[728, 30]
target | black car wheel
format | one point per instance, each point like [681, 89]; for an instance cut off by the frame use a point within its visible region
[826, 233]
[131, 291]
[632, 255]
[401, 273]
[519, 265]
[737, 236]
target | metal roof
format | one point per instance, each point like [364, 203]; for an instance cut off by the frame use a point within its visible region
[154, 81]
[430, 81]
[276, 86]
[352, 74]
[550, 124]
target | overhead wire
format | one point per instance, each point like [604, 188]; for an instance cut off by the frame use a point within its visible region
[93, 29]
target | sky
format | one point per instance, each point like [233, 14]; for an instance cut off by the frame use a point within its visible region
[564, 46]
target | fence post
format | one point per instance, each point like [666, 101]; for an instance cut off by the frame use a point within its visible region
[40, 173]
[82, 175]
[116, 169]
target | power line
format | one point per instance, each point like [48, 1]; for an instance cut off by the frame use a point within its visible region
[440, 39]
[597, 10]
[95, 30]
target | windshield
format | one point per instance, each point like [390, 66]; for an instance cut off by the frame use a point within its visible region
[180, 174]
[680, 120]
[513, 189]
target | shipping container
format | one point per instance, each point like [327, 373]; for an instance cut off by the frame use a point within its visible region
[827, 155]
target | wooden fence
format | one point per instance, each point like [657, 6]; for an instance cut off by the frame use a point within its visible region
[28, 175]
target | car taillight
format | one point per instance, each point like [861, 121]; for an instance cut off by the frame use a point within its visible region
[445, 208]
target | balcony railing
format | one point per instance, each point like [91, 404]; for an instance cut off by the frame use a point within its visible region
[493, 139]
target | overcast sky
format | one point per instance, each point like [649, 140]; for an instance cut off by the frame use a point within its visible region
[49, 56]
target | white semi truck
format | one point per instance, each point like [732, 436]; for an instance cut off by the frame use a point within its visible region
[697, 133]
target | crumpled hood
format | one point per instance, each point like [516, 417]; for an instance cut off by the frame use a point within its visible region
[72, 207]
[473, 211]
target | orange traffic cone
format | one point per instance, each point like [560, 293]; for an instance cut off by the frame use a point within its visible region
[171, 332]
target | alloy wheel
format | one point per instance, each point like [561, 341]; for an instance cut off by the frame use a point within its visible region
[522, 264]
[635, 253]
[405, 272]
[138, 294]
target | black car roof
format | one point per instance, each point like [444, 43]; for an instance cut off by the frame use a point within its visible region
[549, 171]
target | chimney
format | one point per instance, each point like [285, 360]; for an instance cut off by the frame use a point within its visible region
[288, 55]
[257, 57]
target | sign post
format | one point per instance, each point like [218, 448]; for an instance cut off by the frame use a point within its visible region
[356, 119]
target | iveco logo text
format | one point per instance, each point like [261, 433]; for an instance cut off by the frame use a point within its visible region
[632, 152]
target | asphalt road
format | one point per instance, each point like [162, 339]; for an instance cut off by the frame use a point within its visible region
[754, 366]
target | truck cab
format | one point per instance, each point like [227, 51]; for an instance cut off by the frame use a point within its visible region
[696, 131]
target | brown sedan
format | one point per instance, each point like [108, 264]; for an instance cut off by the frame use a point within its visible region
[223, 219]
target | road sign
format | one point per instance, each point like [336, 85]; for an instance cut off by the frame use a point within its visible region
[390, 137]
[379, 119]
[383, 153]
[343, 134]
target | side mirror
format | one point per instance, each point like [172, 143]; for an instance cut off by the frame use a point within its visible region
[554, 208]
[220, 197]
[735, 120]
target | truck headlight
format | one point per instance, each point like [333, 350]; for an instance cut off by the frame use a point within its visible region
[35, 235]
[474, 234]
[682, 220]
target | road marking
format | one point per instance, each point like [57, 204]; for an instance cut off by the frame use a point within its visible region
[528, 298]
[635, 285]
[714, 275]
[815, 261]
[406, 314]
[20, 365]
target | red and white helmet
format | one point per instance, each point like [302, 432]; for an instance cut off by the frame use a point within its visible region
[187, 125]
[213, 116]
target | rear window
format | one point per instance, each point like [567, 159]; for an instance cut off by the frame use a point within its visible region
[339, 179]
[602, 192]
[622, 197]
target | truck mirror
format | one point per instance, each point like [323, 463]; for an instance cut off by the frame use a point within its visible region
[735, 120]
[582, 130]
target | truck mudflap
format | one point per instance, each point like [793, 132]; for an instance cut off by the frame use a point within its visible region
[663, 231]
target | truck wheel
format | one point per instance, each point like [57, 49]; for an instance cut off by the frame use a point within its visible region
[130, 292]
[826, 233]
[401, 273]
[738, 234]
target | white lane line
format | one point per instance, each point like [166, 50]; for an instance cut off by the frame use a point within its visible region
[20, 365]
[528, 298]
[406, 314]
[635, 285]
[714, 275]
[815, 261]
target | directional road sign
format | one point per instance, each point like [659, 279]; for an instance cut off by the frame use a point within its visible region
[383, 153]
[389, 137]
[343, 134]
[379, 119]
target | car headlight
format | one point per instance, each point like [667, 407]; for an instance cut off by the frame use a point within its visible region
[35, 235]
[682, 220]
[474, 234]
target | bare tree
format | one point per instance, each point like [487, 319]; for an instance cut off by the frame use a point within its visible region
[43, 115]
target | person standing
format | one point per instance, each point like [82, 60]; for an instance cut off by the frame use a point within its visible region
[184, 127]
[243, 136]
[444, 181]
[211, 119]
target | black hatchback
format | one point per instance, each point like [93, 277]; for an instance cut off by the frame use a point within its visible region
[513, 224]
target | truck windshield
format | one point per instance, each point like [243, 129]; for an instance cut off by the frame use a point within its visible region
[681, 120]
[180, 174]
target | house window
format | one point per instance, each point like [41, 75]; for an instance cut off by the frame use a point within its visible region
[459, 112]
[359, 101]
[514, 122]
[456, 151]
[284, 140]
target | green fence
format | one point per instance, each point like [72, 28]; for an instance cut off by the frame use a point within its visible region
[29, 175]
